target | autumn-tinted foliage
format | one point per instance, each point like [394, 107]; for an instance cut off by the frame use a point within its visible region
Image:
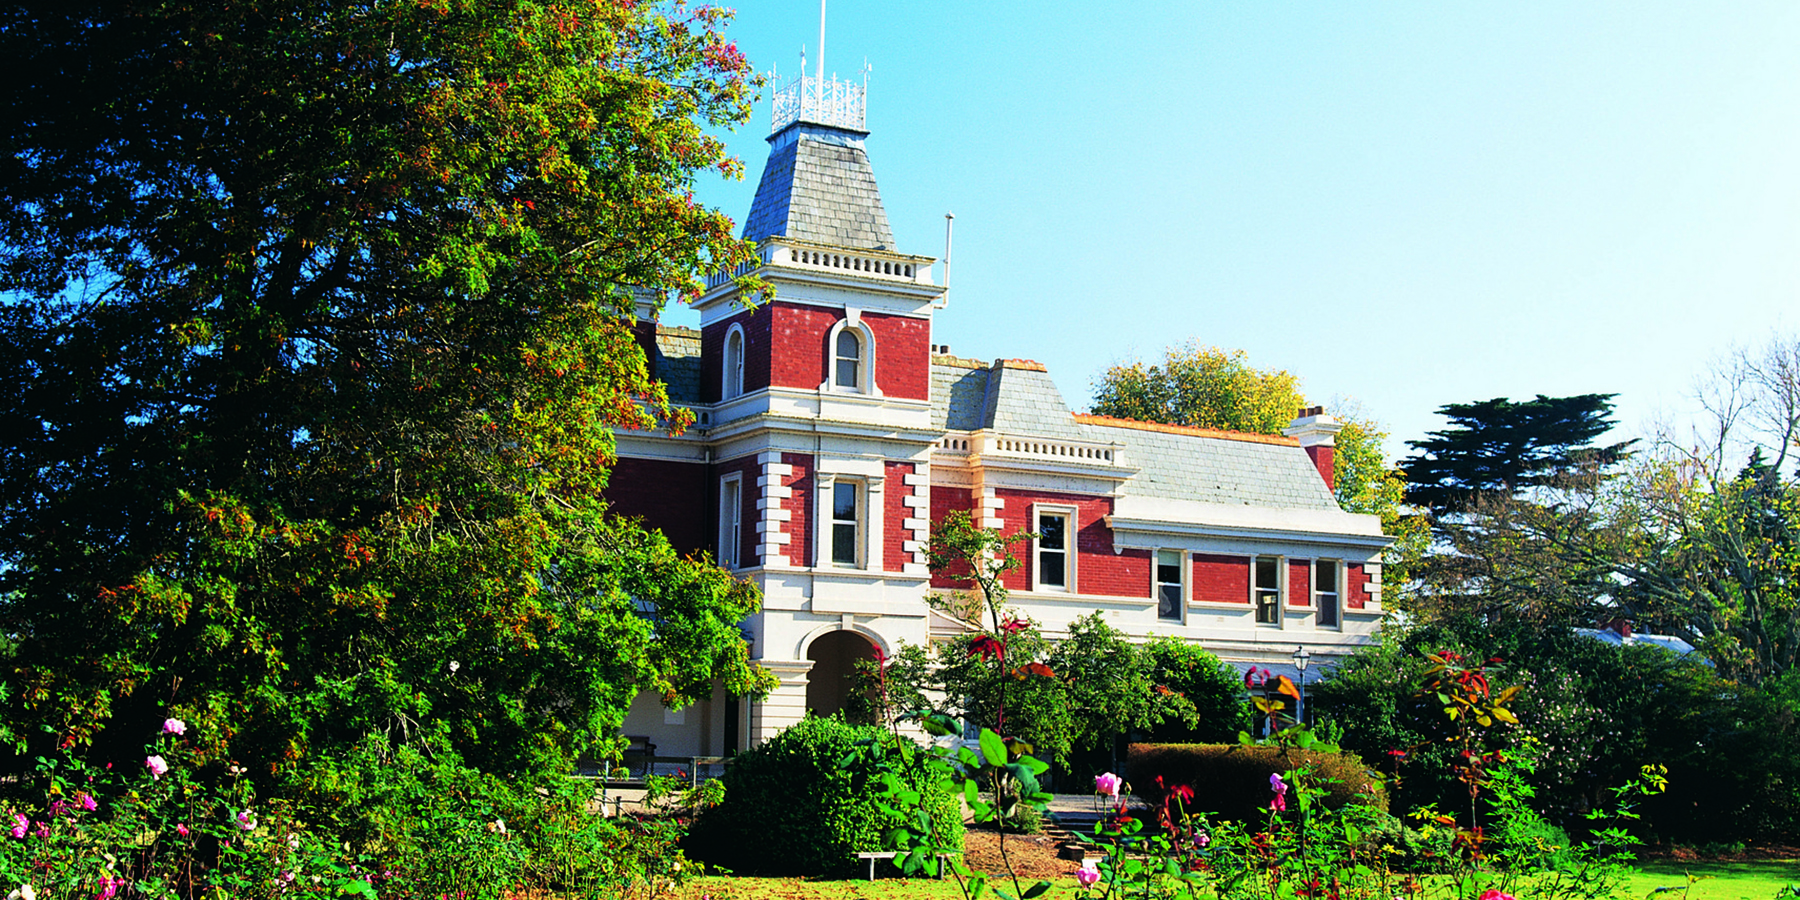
[313, 318]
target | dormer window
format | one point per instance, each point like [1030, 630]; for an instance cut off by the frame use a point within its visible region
[734, 363]
[847, 361]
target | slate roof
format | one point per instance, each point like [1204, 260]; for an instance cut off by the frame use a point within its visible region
[1018, 396]
[818, 186]
[1234, 471]
[677, 362]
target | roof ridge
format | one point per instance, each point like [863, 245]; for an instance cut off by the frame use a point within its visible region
[1246, 436]
[960, 362]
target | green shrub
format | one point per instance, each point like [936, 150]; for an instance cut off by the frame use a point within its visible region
[790, 808]
[1232, 780]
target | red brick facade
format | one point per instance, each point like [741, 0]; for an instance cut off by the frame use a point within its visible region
[749, 549]
[784, 346]
[755, 323]
[894, 535]
[672, 496]
[1221, 579]
[1299, 585]
[902, 355]
[1356, 585]
[1097, 569]
[799, 505]
[944, 501]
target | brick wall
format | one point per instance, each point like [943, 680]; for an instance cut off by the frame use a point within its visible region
[945, 500]
[1221, 579]
[672, 496]
[902, 355]
[748, 468]
[1097, 569]
[894, 491]
[757, 347]
[1299, 586]
[797, 344]
[1324, 459]
[1356, 585]
[798, 356]
[800, 504]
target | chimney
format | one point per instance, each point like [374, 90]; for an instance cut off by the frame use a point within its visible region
[1317, 433]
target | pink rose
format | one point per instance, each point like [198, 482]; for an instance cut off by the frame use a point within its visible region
[181, 830]
[21, 824]
[1087, 875]
[1491, 894]
[157, 766]
[87, 801]
[1108, 784]
[246, 821]
[174, 726]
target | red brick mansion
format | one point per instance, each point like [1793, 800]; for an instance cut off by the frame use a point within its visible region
[832, 432]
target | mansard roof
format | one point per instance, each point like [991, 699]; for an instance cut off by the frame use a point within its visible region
[1174, 463]
[818, 186]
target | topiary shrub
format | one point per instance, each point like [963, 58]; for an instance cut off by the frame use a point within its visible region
[1232, 780]
[791, 809]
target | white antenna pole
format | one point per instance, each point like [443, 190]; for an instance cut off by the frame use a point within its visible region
[949, 226]
[820, 84]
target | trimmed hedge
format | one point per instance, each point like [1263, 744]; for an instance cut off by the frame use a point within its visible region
[789, 808]
[1232, 780]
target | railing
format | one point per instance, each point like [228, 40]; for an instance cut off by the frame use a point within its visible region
[797, 255]
[871, 264]
[840, 104]
[1009, 446]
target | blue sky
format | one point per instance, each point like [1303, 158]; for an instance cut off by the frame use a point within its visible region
[1407, 204]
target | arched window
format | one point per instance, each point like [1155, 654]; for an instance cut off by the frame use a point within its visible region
[734, 363]
[847, 361]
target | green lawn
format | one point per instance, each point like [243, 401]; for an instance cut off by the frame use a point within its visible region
[1715, 881]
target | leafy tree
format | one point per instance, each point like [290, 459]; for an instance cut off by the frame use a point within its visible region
[317, 323]
[1221, 707]
[1518, 504]
[1597, 711]
[1501, 448]
[1205, 387]
[1112, 685]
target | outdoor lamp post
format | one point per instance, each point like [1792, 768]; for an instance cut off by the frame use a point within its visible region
[1301, 657]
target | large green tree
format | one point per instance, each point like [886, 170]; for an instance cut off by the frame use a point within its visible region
[1502, 448]
[315, 319]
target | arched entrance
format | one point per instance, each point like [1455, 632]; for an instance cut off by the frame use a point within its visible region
[834, 655]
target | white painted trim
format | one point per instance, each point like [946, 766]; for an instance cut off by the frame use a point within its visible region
[1184, 571]
[730, 531]
[732, 383]
[1071, 547]
[866, 382]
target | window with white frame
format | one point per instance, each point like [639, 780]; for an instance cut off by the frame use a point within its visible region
[847, 502]
[1327, 575]
[1055, 569]
[734, 363]
[847, 360]
[1265, 588]
[1168, 584]
[731, 520]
